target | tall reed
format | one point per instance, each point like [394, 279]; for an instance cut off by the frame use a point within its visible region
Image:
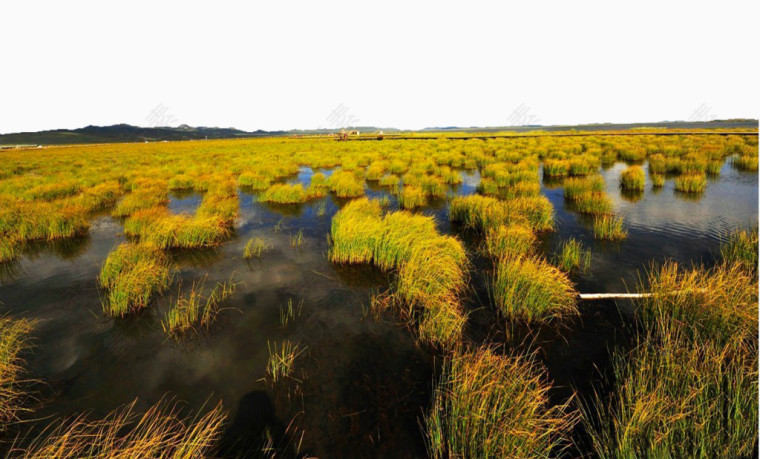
[487, 406]
[161, 431]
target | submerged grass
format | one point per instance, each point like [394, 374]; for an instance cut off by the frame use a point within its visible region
[296, 240]
[291, 312]
[195, 309]
[487, 406]
[532, 290]
[282, 359]
[255, 247]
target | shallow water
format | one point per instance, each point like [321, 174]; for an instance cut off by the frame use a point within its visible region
[662, 223]
[365, 382]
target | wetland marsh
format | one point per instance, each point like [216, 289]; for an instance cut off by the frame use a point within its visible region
[304, 297]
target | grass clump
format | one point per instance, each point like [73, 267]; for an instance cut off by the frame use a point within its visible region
[573, 256]
[720, 303]
[741, 248]
[658, 164]
[483, 212]
[27, 221]
[689, 387]
[714, 167]
[99, 197]
[255, 247]
[376, 170]
[160, 432]
[131, 275]
[431, 267]
[13, 336]
[256, 182]
[391, 181]
[412, 196]
[593, 203]
[10, 248]
[181, 182]
[284, 193]
[658, 180]
[159, 228]
[691, 183]
[479, 212]
[575, 187]
[147, 194]
[487, 405]
[556, 167]
[584, 165]
[745, 163]
[609, 228]
[532, 290]
[345, 184]
[677, 398]
[633, 179]
[508, 241]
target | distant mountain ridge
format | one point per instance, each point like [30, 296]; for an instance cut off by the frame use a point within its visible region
[128, 133]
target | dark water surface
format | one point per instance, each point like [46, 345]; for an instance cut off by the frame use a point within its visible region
[365, 382]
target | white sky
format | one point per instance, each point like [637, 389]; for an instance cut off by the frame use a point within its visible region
[283, 65]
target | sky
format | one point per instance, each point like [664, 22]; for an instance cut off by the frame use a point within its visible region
[405, 64]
